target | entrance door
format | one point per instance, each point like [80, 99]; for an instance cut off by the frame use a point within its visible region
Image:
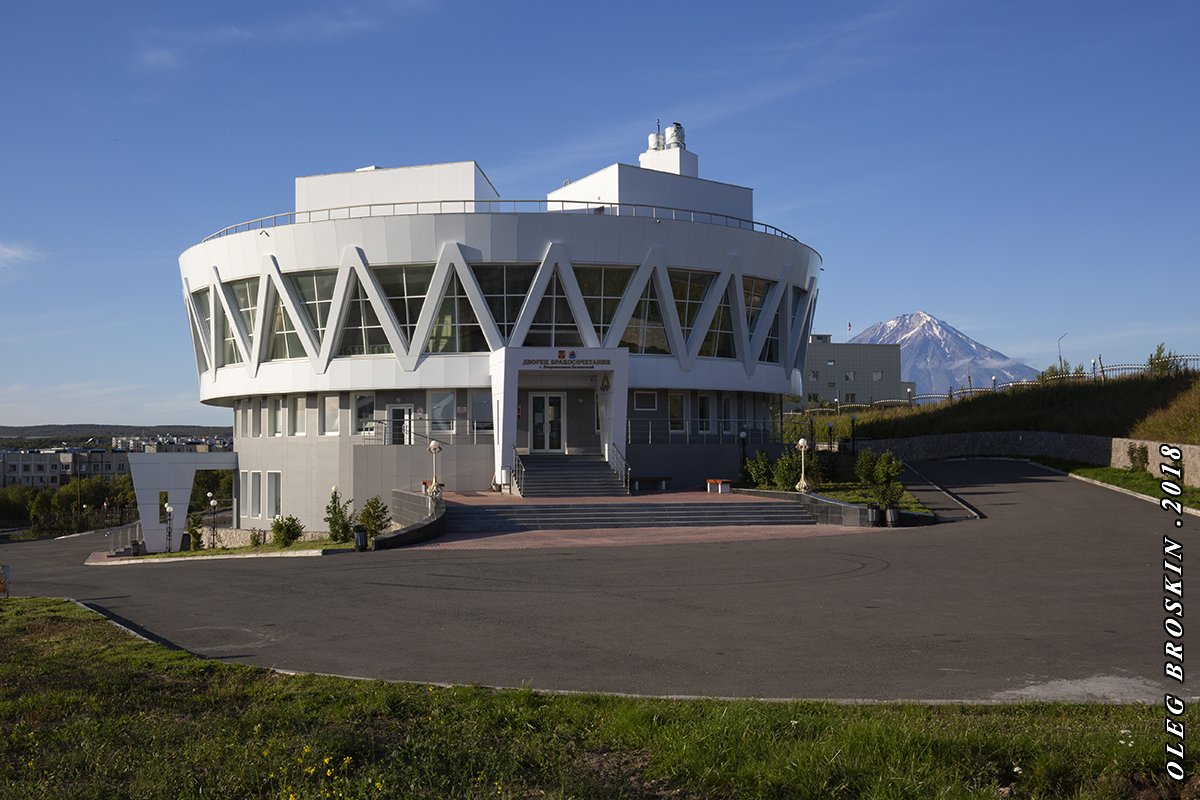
[400, 424]
[546, 418]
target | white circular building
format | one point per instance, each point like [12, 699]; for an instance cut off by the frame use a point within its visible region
[637, 315]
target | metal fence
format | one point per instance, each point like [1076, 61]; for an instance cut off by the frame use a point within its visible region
[499, 207]
[419, 432]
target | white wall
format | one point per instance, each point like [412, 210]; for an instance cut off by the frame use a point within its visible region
[622, 183]
[462, 180]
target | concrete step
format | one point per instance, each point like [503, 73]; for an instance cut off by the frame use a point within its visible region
[467, 519]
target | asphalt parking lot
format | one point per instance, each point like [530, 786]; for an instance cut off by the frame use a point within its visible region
[1056, 594]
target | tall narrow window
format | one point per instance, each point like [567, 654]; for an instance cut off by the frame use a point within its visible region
[329, 415]
[718, 342]
[230, 354]
[770, 348]
[677, 411]
[256, 418]
[704, 409]
[256, 494]
[274, 494]
[481, 410]
[728, 423]
[244, 494]
[284, 342]
[245, 296]
[297, 409]
[275, 415]
[364, 413]
[441, 411]
[201, 336]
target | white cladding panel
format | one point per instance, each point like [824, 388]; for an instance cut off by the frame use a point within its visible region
[461, 180]
[623, 183]
[492, 238]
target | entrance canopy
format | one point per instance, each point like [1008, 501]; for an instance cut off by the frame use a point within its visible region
[546, 369]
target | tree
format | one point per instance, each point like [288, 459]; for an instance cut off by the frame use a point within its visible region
[374, 516]
[286, 530]
[339, 517]
[1163, 361]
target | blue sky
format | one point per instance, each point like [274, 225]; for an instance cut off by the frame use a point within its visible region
[1018, 169]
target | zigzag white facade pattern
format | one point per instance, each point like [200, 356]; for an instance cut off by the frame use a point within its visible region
[329, 329]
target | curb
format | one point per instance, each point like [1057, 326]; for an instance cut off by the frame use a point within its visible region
[98, 559]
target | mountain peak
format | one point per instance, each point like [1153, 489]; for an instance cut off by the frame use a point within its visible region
[937, 356]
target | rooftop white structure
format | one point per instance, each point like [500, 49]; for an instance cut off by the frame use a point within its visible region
[633, 313]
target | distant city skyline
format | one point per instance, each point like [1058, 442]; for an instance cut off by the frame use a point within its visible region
[1020, 170]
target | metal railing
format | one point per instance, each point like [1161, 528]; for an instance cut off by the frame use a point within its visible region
[518, 473]
[616, 460]
[418, 432]
[499, 207]
[123, 536]
[699, 431]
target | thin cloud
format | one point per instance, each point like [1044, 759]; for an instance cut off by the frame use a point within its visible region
[172, 49]
[12, 255]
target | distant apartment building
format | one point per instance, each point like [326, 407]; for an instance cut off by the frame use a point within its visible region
[849, 374]
[171, 444]
[48, 468]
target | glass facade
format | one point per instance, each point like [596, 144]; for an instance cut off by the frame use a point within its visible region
[284, 342]
[504, 287]
[690, 288]
[316, 294]
[718, 342]
[455, 326]
[646, 333]
[602, 288]
[405, 289]
[362, 335]
[553, 323]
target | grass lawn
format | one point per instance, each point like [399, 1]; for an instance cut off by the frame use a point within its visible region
[857, 493]
[268, 547]
[1140, 482]
[90, 712]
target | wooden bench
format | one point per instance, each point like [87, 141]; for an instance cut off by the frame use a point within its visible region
[660, 480]
[719, 485]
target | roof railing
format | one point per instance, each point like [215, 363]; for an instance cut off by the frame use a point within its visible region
[499, 207]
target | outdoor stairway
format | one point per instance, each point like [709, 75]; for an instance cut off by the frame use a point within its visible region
[607, 516]
[570, 476]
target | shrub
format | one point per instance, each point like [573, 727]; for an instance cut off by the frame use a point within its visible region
[195, 531]
[888, 490]
[1139, 457]
[257, 537]
[339, 518]
[374, 516]
[286, 530]
[757, 471]
[864, 467]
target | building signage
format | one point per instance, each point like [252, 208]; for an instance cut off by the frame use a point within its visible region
[566, 359]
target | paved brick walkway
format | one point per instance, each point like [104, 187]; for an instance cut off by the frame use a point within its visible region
[621, 537]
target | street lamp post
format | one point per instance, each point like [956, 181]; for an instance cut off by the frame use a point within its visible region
[434, 447]
[170, 511]
[993, 383]
[802, 446]
[742, 442]
[909, 390]
[85, 515]
[1060, 360]
[853, 441]
[212, 519]
[830, 437]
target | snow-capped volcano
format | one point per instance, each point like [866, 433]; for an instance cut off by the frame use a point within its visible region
[937, 356]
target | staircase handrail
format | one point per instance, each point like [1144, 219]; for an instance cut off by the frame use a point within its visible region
[518, 472]
[621, 467]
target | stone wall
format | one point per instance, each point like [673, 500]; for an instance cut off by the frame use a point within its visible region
[1191, 459]
[1098, 450]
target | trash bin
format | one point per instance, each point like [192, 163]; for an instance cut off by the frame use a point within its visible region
[360, 538]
